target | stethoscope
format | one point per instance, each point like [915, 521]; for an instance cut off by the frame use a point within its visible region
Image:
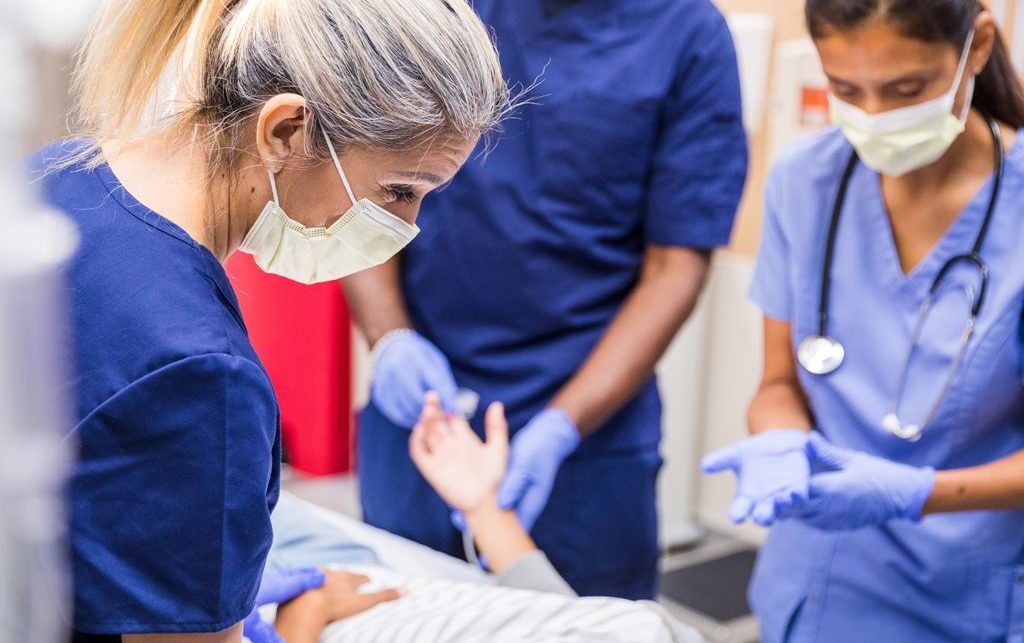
[822, 354]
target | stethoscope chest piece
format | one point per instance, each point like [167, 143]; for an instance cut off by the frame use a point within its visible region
[820, 354]
[910, 432]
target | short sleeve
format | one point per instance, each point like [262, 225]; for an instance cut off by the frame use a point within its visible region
[700, 159]
[171, 499]
[770, 288]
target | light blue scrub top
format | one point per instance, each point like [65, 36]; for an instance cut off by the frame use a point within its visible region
[953, 577]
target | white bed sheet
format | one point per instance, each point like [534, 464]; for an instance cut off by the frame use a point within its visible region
[400, 554]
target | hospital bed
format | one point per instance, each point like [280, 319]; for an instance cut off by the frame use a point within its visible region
[449, 601]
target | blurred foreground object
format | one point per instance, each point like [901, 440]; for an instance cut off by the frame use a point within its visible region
[35, 456]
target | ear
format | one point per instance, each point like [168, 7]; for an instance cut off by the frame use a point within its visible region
[281, 130]
[985, 34]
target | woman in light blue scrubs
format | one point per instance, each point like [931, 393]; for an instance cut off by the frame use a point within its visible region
[887, 446]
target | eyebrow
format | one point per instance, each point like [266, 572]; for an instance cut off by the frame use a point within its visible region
[421, 177]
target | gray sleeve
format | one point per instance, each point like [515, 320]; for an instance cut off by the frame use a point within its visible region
[535, 572]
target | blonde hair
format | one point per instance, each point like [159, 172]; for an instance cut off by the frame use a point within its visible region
[384, 74]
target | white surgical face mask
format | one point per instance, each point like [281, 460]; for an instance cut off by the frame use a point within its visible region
[367, 235]
[902, 140]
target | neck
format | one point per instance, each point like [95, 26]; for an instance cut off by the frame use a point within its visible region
[178, 187]
[971, 152]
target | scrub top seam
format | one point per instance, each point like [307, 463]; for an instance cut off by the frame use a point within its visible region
[113, 186]
[181, 360]
[169, 228]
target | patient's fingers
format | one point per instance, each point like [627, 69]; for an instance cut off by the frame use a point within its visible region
[357, 580]
[366, 601]
[496, 427]
[418, 449]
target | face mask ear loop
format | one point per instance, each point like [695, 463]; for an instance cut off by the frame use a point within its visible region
[273, 188]
[961, 68]
[337, 165]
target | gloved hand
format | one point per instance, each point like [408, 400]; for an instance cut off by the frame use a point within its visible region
[279, 586]
[538, 451]
[406, 368]
[772, 473]
[857, 490]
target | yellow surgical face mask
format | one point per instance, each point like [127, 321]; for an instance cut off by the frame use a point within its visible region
[367, 235]
[902, 140]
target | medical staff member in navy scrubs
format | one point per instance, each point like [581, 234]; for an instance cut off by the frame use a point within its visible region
[554, 271]
[290, 139]
[889, 428]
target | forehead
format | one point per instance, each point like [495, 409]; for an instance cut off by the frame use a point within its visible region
[878, 51]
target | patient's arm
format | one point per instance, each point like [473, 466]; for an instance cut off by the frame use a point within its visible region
[302, 619]
[466, 473]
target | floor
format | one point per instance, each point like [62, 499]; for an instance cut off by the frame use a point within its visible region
[717, 563]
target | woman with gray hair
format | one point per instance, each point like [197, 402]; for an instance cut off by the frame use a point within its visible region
[303, 132]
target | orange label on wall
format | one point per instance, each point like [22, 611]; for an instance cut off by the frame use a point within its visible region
[814, 111]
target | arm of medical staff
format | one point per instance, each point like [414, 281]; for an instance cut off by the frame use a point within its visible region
[993, 486]
[663, 299]
[406, 365]
[375, 296]
[230, 635]
[780, 401]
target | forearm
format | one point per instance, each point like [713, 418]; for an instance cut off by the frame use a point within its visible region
[302, 619]
[624, 359]
[994, 486]
[376, 300]
[499, 535]
[778, 405]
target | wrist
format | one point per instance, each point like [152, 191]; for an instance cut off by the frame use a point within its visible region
[387, 339]
[483, 512]
[564, 430]
[919, 506]
[303, 618]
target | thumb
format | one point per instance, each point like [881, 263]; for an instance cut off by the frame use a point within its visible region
[295, 582]
[721, 460]
[513, 488]
[440, 380]
[823, 485]
[259, 631]
[824, 453]
[364, 602]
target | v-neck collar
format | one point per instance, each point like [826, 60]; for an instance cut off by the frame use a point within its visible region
[957, 239]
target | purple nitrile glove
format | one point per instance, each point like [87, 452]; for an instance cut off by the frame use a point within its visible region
[538, 451]
[772, 474]
[855, 489]
[279, 586]
[407, 367]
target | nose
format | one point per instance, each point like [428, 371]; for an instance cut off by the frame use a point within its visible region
[408, 212]
[873, 105]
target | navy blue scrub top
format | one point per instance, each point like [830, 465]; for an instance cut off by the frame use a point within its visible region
[176, 423]
[635, 137]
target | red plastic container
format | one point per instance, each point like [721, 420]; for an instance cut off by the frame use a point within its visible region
[303, 335]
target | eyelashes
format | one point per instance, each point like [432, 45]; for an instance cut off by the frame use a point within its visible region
[401, 193]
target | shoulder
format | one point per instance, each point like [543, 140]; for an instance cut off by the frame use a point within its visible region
[187, 398]
[808, 172]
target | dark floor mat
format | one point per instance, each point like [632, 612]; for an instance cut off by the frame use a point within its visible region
[715, 588]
